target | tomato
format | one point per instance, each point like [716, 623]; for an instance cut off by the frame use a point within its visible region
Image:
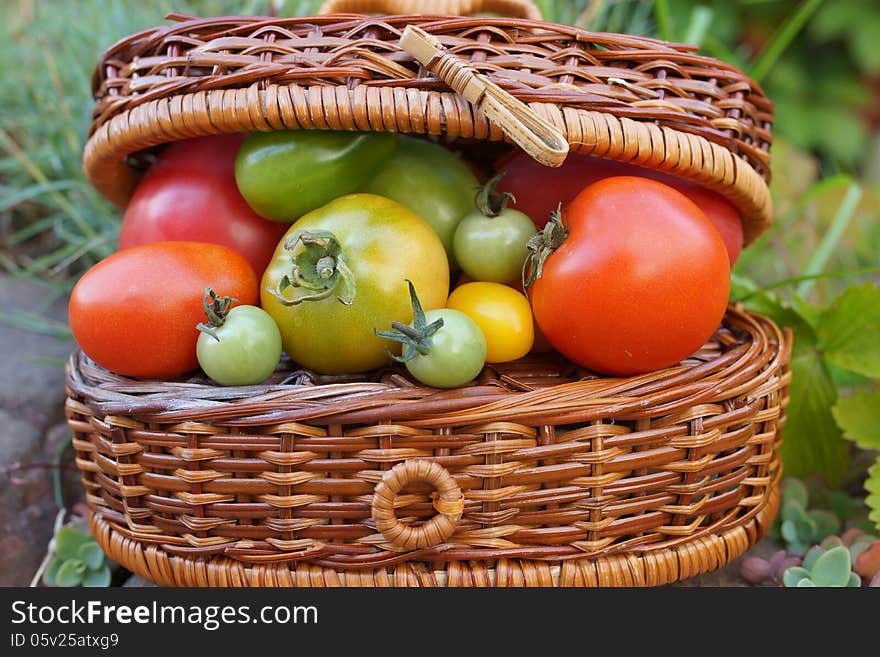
[490, 243]
[635, 278]
[444, 348]
[431, 181]
[237, 347]
[283, 174]
[189, 194]
[539, 190]
[502, 313]
[341, 272]
[135, 312]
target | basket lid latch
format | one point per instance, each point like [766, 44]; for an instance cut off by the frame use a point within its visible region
[539, 138]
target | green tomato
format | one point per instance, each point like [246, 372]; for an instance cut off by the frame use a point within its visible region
[284, 174]
[340, 272]
[245, 350]
[493, 249]
[456, 354]
[432, 182]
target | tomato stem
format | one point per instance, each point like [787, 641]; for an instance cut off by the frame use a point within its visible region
[216, 310]
[416, 336]
[541, 246]
[317, 265]
[489, 200]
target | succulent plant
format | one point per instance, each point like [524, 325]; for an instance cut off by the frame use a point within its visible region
[77, 561]
[826, 565]
[767, 572]
[868, 561]
[799, 527]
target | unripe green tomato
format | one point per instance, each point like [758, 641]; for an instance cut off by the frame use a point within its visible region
[247, 351]
[431, 181]
[493, 249]
[284, 174]
[458, 351]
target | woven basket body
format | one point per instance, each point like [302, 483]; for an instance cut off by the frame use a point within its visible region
[537, 474]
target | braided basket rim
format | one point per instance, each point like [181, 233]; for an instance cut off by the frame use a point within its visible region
[707, 429]
[694, 116]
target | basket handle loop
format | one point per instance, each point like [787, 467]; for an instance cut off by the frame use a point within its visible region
[539, 138]
[513, 8]
[449, 504]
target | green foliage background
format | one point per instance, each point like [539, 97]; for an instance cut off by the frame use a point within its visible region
[815, 271]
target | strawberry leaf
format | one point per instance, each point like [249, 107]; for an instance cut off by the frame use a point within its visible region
[811, 440]
[848, 330]
[859, 417]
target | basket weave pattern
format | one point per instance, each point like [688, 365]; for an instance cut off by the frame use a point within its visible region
[539, 473]
[551, 465]
[622, 97]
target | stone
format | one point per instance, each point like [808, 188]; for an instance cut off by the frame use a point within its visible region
[32, 426]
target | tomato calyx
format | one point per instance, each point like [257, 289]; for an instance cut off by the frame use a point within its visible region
[318, 266]
[416, 337]
[216, 310]
[489, 200]
[541, 246]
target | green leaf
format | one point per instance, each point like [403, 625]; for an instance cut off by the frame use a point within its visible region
[859, 417]
[826, 524]
[848, 330]
[50, 577]
[97, 578]
[832, 568]
[793, 575]
[845, 506]
[68, 541]
[854, 581]
[811, 557]
[91, 555]
[806, 583]
[71, 573]
[767, 303]
[795, 491]
[812, 443]
[863, 44]
[872, 485]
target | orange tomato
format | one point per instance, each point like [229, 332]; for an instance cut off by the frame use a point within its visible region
[135, 312]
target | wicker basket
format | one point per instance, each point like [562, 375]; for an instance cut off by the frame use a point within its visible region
[537, 474]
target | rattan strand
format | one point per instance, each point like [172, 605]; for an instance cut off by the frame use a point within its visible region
[539, 473]
[635, 569]
[553, 464]
[620, 97]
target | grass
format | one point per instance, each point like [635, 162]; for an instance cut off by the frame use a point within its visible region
[53, 225]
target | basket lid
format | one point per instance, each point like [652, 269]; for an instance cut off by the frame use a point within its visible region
[621, 97]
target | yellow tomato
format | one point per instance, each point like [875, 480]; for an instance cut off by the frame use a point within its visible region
[502, 313]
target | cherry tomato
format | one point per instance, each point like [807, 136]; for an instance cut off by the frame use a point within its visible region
[341, 273]
[431, 181]
[539, 190]
[189, 194]
[237, 347]
[444, 348]
[490, 242]
[135, 312]
[283, 174]
[636, 278]
[502, 313]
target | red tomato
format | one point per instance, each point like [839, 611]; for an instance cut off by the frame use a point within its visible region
[135, 312]
[639, 283]
[539, 190]
[189, 194]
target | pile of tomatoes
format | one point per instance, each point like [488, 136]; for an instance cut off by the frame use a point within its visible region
[350, 250]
